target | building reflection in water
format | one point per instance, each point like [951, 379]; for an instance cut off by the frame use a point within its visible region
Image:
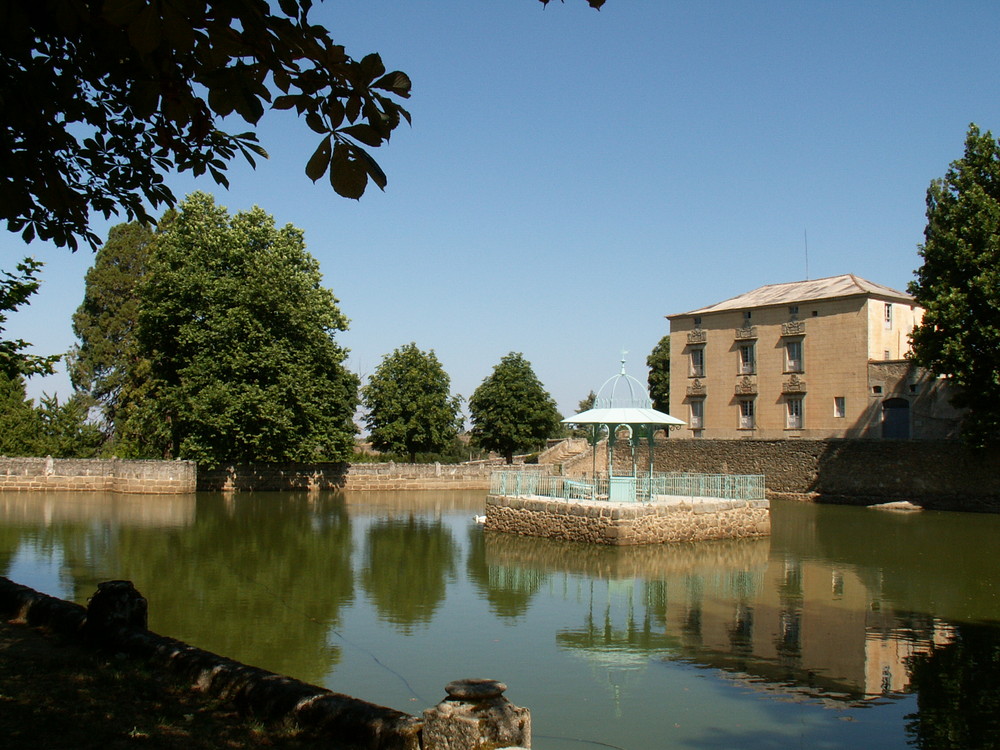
[775, 623]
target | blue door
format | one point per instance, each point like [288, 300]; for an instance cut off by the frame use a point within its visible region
[896, 419]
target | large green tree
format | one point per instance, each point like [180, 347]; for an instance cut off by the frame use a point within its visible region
[236, 338]
[511, 411]
[410, 406]
[958, 284]
[107, 357]
[658, 363]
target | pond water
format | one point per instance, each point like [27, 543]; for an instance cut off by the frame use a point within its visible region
[848, 628]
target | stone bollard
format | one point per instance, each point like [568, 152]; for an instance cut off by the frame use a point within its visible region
[476, 716]
[116, 604]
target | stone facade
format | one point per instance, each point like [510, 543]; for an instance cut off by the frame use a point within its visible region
[97, 475]
[805, 360]
[600, 522]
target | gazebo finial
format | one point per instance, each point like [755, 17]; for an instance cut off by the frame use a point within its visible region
[624, 352]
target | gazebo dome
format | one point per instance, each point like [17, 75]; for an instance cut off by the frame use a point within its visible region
[623, 400]
[622, 391]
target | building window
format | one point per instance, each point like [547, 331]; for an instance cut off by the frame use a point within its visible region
[697, 321]
[839, 407]
[746, 414]
[793, 312]
[886, 354]
[746, 316]
[793, 413]
[888, 315]
[793, 356]
[697, 417]
[698, 362]
[876, 389]
[748, 360]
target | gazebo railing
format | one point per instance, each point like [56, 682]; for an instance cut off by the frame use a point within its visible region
[680, 484]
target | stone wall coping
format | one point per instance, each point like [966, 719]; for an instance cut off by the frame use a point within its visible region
[118, 620]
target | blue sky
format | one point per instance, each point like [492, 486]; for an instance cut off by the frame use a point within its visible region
[572, 176]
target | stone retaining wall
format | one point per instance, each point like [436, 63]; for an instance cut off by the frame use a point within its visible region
[936, 474]
[601, 522]
[97, 475]
[327, 476]
[473, 716]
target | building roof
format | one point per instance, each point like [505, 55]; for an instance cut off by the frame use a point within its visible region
[832, 287]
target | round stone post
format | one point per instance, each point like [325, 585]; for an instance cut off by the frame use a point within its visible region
[116, 604]
[476, 716]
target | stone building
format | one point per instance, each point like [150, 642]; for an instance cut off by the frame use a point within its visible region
[811, 359]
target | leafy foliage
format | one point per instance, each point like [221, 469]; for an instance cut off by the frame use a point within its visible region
[585, 405]
[105, 323]
[658, 363]
[410, 406]
[511, 411]
[958, 284]
[15, 289]
[19, 422]
[102, 98]
[236, 356]
[60, 430]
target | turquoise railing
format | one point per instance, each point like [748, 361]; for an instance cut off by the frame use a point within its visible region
[721, 486]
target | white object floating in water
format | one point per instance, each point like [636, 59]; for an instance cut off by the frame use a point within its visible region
[479, 519]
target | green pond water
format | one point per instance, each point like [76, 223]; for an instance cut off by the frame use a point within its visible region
[848, 628]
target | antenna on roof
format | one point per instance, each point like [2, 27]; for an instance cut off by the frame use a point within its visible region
[805, 236]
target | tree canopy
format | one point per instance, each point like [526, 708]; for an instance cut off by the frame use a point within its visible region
[658, 363]
[234, 357]
[60, 430]
[100, 100]
[410, 406]
[958, 284]
[511, 411]
[106, 321]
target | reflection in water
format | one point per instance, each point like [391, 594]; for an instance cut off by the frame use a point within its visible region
[958, 684]
[407, 564]
[842, 608]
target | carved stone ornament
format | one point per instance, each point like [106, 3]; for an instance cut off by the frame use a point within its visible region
[745, 386]
[793, 328]
[697, 336]
[794, 384]
[697, 388]
[747, 332]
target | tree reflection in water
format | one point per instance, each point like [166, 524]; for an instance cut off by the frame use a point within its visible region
[407, 565]
[958, 691]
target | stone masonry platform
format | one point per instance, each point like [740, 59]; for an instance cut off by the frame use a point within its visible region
[603, 522]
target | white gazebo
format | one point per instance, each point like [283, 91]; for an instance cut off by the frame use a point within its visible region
[623, 403]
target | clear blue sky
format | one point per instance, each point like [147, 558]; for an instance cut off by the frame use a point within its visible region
[572, 176]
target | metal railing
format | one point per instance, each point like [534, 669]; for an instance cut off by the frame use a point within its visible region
[646, 487]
